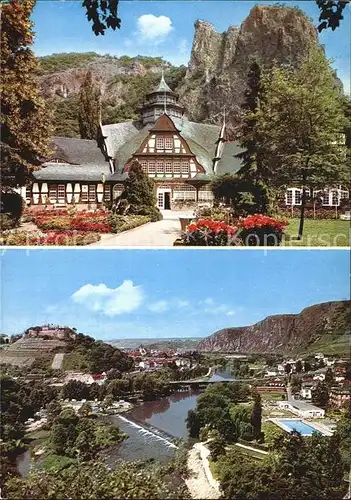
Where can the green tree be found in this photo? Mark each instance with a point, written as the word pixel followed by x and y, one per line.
pixel 301 122
pixel 88 108
pixel 25 121
pixel 298 366
pixel 256 416
pixel 139 190
pixel 320 395
pixel 84 446
pixel 193 424
pixel 254 167
pixel 216 447
pixel 94 479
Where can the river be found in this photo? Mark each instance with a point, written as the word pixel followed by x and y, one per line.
pixel 153 427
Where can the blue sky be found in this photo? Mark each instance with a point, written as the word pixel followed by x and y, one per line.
pixel 113 294
pixel 164 28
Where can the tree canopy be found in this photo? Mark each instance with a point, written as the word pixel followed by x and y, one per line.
pixel 25 122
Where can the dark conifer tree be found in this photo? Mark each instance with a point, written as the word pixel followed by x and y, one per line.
pixel 256 416
pixel 89 108
pixel 253 170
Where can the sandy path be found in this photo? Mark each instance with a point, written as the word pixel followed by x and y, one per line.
pixel 198 483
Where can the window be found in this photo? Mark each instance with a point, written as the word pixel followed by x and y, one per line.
pixel 184 193
pixel 53 192
pixel 185 167
pixel 298 195
pixel 159 167
pixel 325 198
pixel 335 197
pixel 205 195
pixel 151 167
pixel 176 167
pixel 144 166
pixel 289 197
pixel 168 143
pixel 160 143
pixel 168 167
pixel 61 192
pixel 28 192
pixel 107 192
pixel 92 192
pixel 84 195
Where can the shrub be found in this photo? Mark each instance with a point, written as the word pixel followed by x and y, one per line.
pixel 7 222
pixel 119 223
pixel 320 213
pixel 153 212
pixel 260 230
pixel 12 204
pixel 206 232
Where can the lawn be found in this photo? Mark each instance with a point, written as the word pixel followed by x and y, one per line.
pixel 318 233
pixel 272 396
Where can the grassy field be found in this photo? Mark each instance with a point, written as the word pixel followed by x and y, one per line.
pixel 318 233
pixel 329 344
pixel 272 396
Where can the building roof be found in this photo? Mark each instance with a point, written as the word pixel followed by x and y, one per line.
pixel 162 86
pixel 164 124
pixel 84 161
pixel 228 162
pixel 303 405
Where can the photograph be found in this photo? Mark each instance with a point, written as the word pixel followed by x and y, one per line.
pixel 175 250
pixel 190 124
pixel 150 378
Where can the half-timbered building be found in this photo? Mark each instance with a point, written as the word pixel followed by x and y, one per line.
pixel 180 155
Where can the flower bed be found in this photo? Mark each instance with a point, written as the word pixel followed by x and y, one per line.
pixel 261 230
pixel 207 232
pixel 255 230
pixel 50 238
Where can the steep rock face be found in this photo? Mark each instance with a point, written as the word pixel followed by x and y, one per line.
pixel 219 64
pixel 283 333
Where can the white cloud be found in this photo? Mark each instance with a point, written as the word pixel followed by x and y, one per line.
pixel 110 301
pixel 158 307
pixel 154 28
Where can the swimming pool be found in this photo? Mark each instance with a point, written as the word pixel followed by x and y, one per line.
pixel 297 425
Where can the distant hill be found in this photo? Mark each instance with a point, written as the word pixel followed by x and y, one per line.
pixel 320 328
pixel 157 344
pixel 123 81
pixel 81 353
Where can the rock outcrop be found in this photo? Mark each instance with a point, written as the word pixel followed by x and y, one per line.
pixel 328 322
pixel 219 63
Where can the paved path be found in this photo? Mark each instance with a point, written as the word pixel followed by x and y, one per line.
pixel 57 361
pixel 155 234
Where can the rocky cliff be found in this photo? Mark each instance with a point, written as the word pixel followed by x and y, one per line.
pixel 219 63
pixel 315 328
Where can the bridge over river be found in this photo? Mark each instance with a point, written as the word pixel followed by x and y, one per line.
pixel 212 377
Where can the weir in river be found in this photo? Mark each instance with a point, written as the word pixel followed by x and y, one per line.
pixel 147 429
